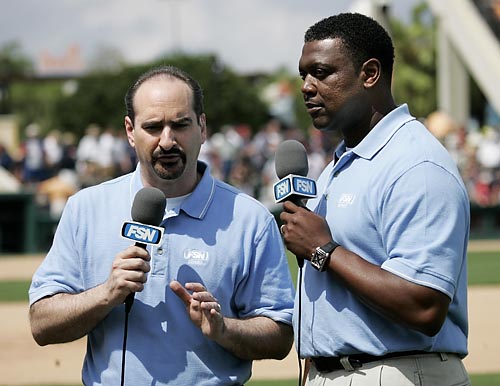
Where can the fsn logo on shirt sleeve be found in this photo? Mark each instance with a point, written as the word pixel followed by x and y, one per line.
pixel 142 233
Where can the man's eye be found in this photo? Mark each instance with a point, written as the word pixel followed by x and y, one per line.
pixel 319 73
pixel 152 127
pixel 180 125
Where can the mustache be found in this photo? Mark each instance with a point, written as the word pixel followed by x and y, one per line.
pixel 172 151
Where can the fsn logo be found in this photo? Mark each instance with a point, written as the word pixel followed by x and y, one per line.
pixel 282 189
pixel 304 186
pixel 142 233
pixel 293 185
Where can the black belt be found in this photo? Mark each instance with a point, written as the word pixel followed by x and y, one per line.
pixel 355 361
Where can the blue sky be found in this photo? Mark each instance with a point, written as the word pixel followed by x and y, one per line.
pixel 249 36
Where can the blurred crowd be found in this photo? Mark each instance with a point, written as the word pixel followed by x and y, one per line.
pixel 56 165
pixel 476 151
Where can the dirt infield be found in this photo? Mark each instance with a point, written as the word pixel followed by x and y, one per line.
pixel 22 362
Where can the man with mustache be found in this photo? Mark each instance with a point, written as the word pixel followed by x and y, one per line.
pixel 384 298
pixel 214 295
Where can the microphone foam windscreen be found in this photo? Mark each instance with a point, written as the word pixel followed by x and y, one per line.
pixel 149 206
pixel 291 158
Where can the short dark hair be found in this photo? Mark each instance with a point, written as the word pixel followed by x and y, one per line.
pixel 362 36
pixel 166 71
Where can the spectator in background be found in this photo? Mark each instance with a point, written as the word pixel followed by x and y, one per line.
pixel 6 160
pixel 53 151
pixel 69 149
pixel 8 182
pixel 34 166
pixel 87 156
pixel 124 159
pixel 228 143
pixel 106 151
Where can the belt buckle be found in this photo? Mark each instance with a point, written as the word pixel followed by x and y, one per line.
pixel 350 364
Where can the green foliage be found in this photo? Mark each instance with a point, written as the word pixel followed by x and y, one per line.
pixel 36 102
pixel 13 62
pixel 415 63
pixel 229 98
pixel 98 99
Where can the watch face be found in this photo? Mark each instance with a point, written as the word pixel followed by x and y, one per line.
pixel 321 256
pixel 318 259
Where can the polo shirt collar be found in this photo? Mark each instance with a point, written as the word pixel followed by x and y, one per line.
pixel 196 205
pixel 383 131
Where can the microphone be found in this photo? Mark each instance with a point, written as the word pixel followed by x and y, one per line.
pixel 147 213
pixel 292 167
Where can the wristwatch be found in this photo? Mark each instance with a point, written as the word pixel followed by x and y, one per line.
pixel 321 256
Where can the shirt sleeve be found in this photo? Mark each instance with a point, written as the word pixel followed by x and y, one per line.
pixel 60 271
pixel 267 288
pixel 426 223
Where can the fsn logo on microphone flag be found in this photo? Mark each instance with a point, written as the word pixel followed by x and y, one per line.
pixel 142 233
pixel 294 185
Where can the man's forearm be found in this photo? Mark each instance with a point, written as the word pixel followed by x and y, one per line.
pixel 256 338
pixel 66 317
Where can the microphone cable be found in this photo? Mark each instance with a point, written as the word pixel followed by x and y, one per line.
pixel 128 305
pixel 147 209
pixel 299 322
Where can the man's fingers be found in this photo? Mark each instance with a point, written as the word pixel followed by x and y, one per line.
pixel 180 291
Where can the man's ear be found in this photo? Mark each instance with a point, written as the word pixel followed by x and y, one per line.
pixel 203 126
pixel 371 71
pixel 129 128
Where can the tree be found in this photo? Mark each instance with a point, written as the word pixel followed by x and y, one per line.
pixel 415 65
pixel 229 98
pixel 14 64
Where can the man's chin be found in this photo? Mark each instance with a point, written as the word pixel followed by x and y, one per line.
pixel 169 174
pixel 322 124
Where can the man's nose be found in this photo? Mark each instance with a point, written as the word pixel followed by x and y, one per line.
pixel 308 86
pixel 167 138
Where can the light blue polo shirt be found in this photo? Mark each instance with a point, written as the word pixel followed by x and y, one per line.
pixel 398 201
pixel 220 237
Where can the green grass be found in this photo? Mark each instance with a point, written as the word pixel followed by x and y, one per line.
pixel 14 291
pixel 485 379
pixel 281 382
pixel 484 268
pixel 476 380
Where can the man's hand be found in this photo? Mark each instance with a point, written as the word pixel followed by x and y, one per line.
pixel 202 308
pixel 303 230
pixel 128 274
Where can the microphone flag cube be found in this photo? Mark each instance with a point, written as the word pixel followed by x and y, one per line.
pixel 294 185
pixel 142 233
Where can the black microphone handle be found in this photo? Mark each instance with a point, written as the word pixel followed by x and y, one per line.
pixel 297 200
pixel 131 296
